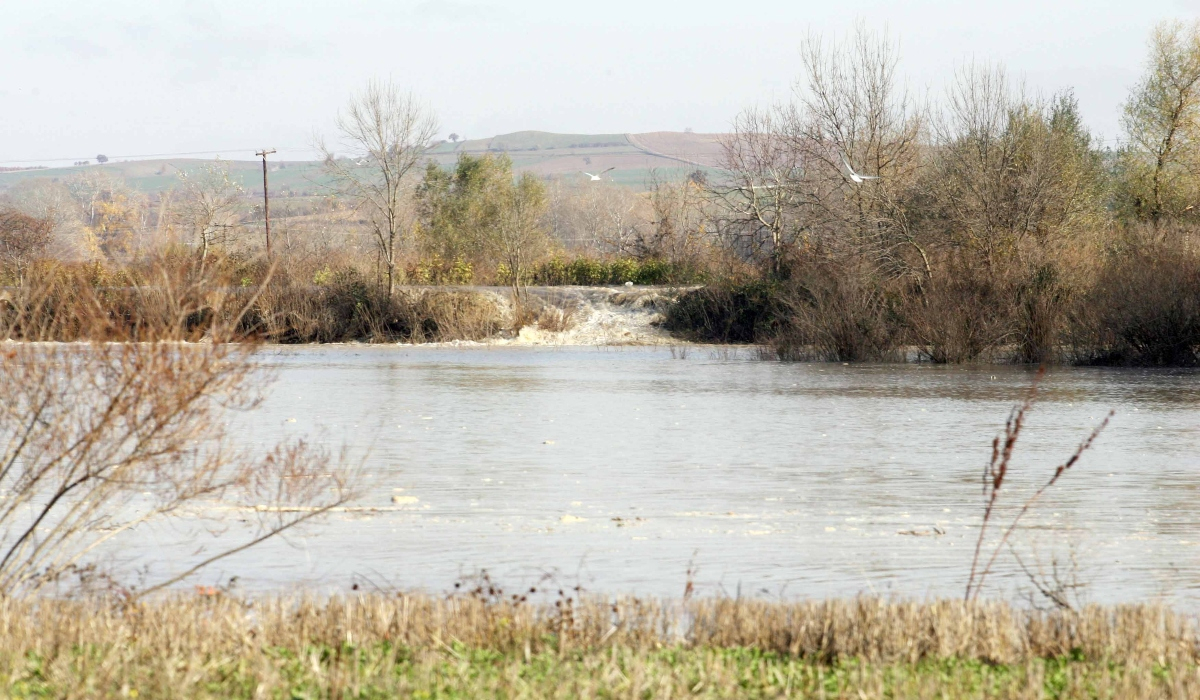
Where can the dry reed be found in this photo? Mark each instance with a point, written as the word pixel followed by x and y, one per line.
pixel 213 646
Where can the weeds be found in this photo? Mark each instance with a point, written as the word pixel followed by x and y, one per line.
pixel 994 475
pixel 482 641
pixel 557 319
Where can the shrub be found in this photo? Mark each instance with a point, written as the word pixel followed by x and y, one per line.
pixel 744 313
pixel 584 271
pixel 655 271
pixel 1144 309
pixel 623 270
pixel 837 313
pixel 961 315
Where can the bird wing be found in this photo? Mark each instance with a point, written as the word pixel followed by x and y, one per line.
pixel 587 173
pixel 612 168
pixel 848 166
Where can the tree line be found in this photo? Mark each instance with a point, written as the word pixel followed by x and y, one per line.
pixel 858 220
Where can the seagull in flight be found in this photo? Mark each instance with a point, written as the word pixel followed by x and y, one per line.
pixel 858 179
pixel 598 178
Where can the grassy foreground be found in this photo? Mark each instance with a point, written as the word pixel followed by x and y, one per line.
pixel 491 646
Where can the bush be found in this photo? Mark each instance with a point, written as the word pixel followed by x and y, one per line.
pixel 744 313
pixel 1144 309
pixel 588 272
pixel 837 313
pixel 436 271
pixel 660 272
pixel 961 315
pixel 583 271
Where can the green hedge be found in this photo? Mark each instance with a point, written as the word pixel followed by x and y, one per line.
pixel 591 272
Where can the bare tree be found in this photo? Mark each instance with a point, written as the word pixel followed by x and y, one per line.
pixel 855 113
pixel 23 239
pixel 209 206
pixel 761 200
pixel 99 441
pixel 384 133
pixel 596 217
pixel 678 220
pixel 791 164
pixel 48 200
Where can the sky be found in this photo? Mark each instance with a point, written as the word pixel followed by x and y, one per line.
pixel 131 78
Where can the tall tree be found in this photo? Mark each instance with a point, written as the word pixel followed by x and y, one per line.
pixel 479 213
pixel 1160 162
pixel 209 205
pixel 383 132
pixel 1010 172
pixel 521 235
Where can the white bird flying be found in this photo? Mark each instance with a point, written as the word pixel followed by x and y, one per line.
pixel 597 178
pixel 858 179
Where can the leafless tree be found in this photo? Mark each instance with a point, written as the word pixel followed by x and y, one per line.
pixel 209 206
pixel 383 132
pixel 791 163
pixel 23 239
pixel 761 201
pixel 596 217
pixel 100 441
pixel 679 218
pixel 854 112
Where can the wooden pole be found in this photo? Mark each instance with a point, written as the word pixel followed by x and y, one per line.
pixel 266 199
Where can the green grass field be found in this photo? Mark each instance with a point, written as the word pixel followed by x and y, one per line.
pixel 384 670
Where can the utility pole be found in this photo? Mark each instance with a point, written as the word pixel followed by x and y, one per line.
pixel 266 199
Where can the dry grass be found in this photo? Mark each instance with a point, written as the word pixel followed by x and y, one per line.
pixel 101 440
pixel 285 303
pixel 442 315
pixel 468 646
pixel 557 319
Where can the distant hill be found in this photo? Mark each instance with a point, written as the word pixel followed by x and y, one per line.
pixel 548 155
pixel 151 176
pixel 632 156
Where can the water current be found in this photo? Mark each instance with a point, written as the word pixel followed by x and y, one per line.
pixel 619 469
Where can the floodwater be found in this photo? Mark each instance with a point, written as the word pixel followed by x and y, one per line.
pixel 619 469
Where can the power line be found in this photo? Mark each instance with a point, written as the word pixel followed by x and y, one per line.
pixel 145 155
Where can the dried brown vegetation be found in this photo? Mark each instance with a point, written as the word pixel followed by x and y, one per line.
pixel 101 439
pixel 994 476
pixel 853 222
pixel 988 226
pixel 199 297
pixel 209 646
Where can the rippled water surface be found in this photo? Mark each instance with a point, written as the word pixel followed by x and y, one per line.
pixel 619 468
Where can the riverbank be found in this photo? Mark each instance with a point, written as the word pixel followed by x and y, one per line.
pixel 788 319
pixel 485 643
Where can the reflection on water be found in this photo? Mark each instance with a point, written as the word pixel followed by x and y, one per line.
pixel 622 465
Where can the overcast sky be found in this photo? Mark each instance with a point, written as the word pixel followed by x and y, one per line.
pixel 130 77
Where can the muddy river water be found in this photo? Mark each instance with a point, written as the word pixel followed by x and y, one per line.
pixel 620 468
